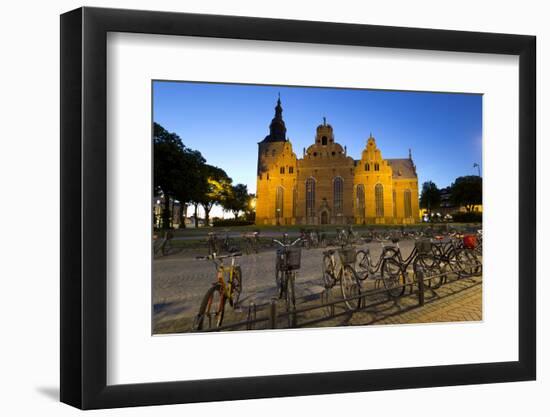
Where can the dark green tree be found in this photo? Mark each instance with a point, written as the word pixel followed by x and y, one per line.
pixel 430 197
pixel 237 200
pixel 214 188
pixel 467 191
pixel 176 171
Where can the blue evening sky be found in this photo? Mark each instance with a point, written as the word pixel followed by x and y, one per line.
pixel 226 121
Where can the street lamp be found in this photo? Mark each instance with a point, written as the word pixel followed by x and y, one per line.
pixel 476 165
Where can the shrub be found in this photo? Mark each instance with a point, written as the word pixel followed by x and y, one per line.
pixel 467 217
pixel 231 222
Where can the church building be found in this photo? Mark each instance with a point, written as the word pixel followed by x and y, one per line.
pixel 327 186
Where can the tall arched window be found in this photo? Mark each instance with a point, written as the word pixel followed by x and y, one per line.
pixel 279 193
pixel 360 200
pixel 338 190
pixel 394 204
pixel 367 167
pixel 408 204
pixel 379 200
pixel 324 140
pixel 377 166
pixel 294 201
pixel 310 197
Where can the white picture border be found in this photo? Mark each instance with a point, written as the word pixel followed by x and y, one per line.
pixel 135 356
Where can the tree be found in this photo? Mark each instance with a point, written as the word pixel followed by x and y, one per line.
pixel 177 171
pixel 250 210
pixel 237 200
pixel 167 165
pixel 430 197
pixel 214 188
pixel 467 191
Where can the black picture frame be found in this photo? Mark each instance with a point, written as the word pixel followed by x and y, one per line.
pixel 84 207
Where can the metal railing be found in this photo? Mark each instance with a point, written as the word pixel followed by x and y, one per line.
pixel 274 316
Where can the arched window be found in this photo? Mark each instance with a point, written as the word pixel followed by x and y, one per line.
pixel 324 140
pixel 294 201
pixel 408 204
pixel 338 190
pixel 360 200
pixel 367 167
pixel 394 204
pixel 310 197
pixel 379 200
pixel 279 193
pixel 377 166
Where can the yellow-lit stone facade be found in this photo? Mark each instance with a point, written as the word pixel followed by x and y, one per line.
pixel 327 186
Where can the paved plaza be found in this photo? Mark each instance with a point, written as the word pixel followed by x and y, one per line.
pixel 180 282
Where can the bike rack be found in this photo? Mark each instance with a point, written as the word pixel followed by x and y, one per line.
pixel 274 315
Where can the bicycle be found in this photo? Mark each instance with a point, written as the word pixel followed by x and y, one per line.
pixel 214 300
pixel 213 243
pixel 393 267
pixel 451 251
pixel 251 242
pixel 288 259
pixel 227 244
pixel 343 273
pixel 163 247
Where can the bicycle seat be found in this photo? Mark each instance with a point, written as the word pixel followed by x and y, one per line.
pixel 329 252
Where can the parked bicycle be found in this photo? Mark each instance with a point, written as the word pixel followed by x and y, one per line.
pixel 213 243
pixel 251 242
pixel 343 272
pixel 288 259
pixel 163 246
pixel 457 253
pixel 227 287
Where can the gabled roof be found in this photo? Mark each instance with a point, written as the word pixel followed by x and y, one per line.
pixel 402 168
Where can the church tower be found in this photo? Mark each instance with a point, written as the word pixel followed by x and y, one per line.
pixel 276 175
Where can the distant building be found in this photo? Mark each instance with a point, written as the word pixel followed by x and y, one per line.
pixel 326 186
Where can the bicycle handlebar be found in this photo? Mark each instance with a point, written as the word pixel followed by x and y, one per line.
pixel 286 245
pixel 214 256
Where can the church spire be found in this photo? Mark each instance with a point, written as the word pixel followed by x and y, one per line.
pixel 277 128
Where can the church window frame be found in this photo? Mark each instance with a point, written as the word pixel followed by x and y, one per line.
pixel 310 197
pixel 338 194
pixel 379 200
pixel 279 202
pixel 324 141
pixel 407 202
pixel 367 167
pixel 360 200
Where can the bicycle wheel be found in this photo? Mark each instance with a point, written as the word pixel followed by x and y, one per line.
pixel 236 286
pixel 328 272
pixel 351 288
pixel 393 277
pixel 362 264
pixel 290 292
pixel 431 268
pixel 279 282
pixel 211 310
pixel 467 266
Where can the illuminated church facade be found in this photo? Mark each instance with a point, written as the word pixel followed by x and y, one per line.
pixel 326 186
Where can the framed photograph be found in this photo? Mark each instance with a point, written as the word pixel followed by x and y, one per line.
pixel 260 208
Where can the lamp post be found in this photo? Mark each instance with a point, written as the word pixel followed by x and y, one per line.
pixel 476 165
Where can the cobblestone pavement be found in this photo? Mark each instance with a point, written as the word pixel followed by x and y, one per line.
pixel 180 282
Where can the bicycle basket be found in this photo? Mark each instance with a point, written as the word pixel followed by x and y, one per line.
pixel 289 258
pixel 423 245
pixel 347 255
